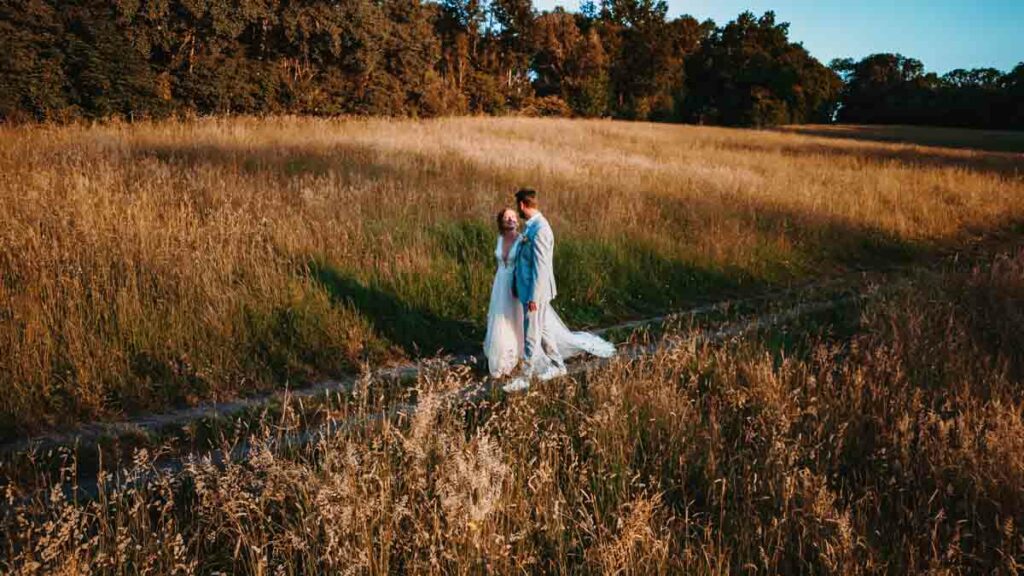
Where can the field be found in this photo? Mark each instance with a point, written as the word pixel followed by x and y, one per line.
pixel 148 267
pixel 991 140
pixel 896 447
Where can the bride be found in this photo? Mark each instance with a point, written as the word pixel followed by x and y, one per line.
pixel 503 345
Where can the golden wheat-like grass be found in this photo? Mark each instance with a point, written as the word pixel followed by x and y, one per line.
pixel 897 450
pixel 149 265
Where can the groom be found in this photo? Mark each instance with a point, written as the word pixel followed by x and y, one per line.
pixel 533 284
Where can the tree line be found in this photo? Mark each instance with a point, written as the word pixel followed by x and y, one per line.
pixel 893 89
pixel 68 59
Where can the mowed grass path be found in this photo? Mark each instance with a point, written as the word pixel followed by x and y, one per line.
pixel 153 265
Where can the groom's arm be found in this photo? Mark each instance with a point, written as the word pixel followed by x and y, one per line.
pixel 543 247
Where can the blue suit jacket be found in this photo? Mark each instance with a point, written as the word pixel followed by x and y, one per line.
pixel 535 271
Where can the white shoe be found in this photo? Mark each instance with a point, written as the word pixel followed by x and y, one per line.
pixel 553 372
pixel 517 385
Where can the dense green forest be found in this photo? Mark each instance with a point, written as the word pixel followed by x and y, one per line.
pixel 68 59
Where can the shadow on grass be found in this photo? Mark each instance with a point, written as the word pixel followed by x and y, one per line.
pixel 999 163
pixel 417 332
pixel 792 244
pixel 440 308
pixel 964 138
pixel 602 282
pixel 349 161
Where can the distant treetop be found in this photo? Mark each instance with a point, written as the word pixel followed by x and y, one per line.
pixel 67 59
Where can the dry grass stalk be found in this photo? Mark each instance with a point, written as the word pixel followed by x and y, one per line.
pixel 168 263
pixel 858 456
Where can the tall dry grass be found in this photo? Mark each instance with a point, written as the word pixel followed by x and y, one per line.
pixel 150 265
pixel 992 140
pixel 897 450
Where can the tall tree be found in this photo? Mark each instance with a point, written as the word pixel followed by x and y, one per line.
pixel 106 73
pixel 749 73
pixel 515 37
pixel 1013 106
pixel 32 77
pixel 458 25
pixel 639 52
pixel 570 63
pixel 879 88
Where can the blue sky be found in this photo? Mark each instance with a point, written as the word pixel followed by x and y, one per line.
pixel 943 34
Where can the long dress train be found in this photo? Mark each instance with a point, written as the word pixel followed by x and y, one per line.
pixel 503 344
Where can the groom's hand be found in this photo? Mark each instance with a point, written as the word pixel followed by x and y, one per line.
pixel 532 306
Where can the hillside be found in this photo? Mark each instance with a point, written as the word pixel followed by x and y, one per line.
pixel 147 266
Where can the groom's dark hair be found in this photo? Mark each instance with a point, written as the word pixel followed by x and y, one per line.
pixel 528 196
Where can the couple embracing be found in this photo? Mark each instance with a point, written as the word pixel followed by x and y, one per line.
pixel 522 328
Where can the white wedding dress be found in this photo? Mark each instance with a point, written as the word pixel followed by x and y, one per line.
pixel 503 345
